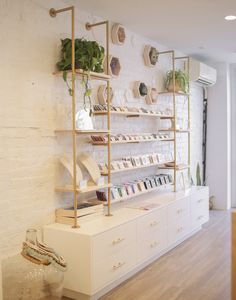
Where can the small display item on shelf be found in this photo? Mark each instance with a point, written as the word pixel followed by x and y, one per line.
pixel 121 192
pixel 138 161
pixel 67 162
pixel 123 109
pixel 91 166
pixel 84 120
pixel 151 97
pixel 103 167
pixel 128 137
pixel 102 94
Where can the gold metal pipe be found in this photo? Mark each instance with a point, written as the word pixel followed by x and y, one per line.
pixel 74 134
pixel 108 122
pixel 182 57
pixel 189 121
pixel 88 26
pixel 166 52
pixel 53 12
pixel 174 111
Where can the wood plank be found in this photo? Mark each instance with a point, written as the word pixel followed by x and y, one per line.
pixel 197 269
pixel 233 255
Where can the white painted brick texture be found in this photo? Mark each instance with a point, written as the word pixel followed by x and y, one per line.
pixel 34 104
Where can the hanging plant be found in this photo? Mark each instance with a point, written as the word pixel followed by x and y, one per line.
pixel 89 56
pixel 181 81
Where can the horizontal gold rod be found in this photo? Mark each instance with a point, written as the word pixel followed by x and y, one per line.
pixel 182 57
pixel 89 26
pixel 165 52
pixel 53 12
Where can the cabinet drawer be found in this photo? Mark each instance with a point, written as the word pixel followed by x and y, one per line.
pixel 178 210
pixel 152 245
pixel 200 201
pixel 151 223
pixel 112 241
pixel 178 229
pixel 113 267
pixel 199 218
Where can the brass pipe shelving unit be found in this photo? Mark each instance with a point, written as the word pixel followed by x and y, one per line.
pixel 175 94
pixel 75 132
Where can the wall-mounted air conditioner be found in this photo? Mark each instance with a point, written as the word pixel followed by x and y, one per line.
pixel 202 73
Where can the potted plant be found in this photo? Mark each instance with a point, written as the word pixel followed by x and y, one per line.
pixel 181 81
pixel 89 56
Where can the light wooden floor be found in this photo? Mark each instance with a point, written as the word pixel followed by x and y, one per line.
pixel 197 269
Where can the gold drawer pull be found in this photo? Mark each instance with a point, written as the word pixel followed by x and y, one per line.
pixel 200 200
pixel 117 241
pixel 119 265
pixel 179 211
pixel 154 244
pixel 180 229
pixel 154 223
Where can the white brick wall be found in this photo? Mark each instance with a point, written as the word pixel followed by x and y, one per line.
pixel 34 104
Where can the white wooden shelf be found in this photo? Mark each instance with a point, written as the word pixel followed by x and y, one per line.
pixel 78 131
pixel 133 114
pixel 171 93
pixel 178 167
pixel 132 142
pixel 133 168
pixel 89 188
pixel 172 130
pixel 92 75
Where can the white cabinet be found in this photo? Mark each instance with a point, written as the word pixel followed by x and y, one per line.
pixel 103 251
pixel 114 253
pixel 199 208
pixel 178 220
pixel 151 234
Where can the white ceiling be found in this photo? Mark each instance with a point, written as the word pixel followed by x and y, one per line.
pixel 196 27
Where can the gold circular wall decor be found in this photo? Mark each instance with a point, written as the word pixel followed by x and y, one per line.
pixel 102 94
pixel 118 34
pixel 150 56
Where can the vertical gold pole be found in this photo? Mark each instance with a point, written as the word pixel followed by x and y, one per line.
pixel 174 111
pixel 108 123
pixel 189 123
pixel 73 117
pixel 53 13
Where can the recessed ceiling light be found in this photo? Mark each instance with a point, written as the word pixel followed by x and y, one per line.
pixel 230 18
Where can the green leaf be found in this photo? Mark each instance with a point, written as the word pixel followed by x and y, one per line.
pixel 88 93
pixel 64 75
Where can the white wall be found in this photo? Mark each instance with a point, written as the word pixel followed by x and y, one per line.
pixel 218 139
pixel 34 104
pixel 233 133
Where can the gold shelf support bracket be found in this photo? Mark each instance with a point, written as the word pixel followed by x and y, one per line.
pixel 187 67
pixel 173 58
pixel 89 26
pixel 53 13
